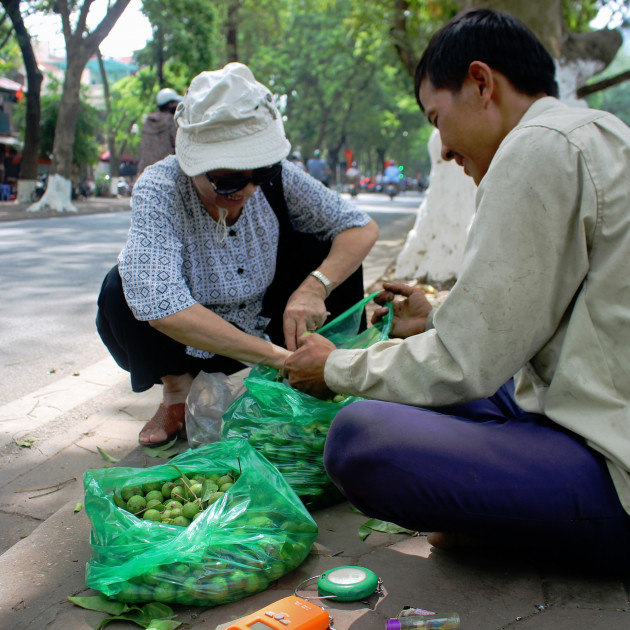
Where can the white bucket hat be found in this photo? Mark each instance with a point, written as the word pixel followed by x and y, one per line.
pixel 228 120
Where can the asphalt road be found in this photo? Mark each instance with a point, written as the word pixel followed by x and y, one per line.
pixel 50 274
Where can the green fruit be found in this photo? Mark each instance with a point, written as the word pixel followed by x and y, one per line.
pixel 150 486
pixel 152 515
pixel 260 522
pixel 165 592
pixel 130 491
pixel 195 491
pixel 180 570
pixel 215 590
pixel 154 495
pixel 166 489
pixel 275 570
pixel 179 493
pixel 176 513
pixel 155 505
pixel 214 497
pixel 171 505
pixel 237 582
pixel 255 582
pixel 136 504
pixel 131 593
pixel 196 516
pixel 224 487
pixel 181 521
pixel 210 487
pixel 198 478
pixel 225 479
pixel 190 510
pixel 153 576
pixel 119 502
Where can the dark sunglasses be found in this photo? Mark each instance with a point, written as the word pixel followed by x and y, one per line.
pixel 234 183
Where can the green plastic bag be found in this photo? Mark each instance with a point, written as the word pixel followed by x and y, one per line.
pixel 289 427
pixel 254 533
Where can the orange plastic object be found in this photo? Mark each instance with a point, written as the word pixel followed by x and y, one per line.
pixel 290 613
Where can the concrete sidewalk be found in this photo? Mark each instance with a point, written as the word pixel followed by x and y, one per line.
pixel 45 543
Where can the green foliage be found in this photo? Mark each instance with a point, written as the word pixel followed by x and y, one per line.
pixel 86 149
pixel 10 54
pixel 182 34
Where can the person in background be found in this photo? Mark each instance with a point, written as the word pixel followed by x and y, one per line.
pixel 158 130
pixel 502 417
pixel 318 168
pixel 296 158
pixel 209 242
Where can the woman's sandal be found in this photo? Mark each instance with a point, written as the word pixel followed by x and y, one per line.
pixel 170 419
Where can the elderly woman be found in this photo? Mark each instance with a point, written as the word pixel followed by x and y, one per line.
pixel 215 272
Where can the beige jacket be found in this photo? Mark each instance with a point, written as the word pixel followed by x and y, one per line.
pixel 544 291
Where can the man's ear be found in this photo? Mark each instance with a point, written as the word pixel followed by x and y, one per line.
pixel 481 75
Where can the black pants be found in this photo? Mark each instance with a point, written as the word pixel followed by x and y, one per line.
pixel 148 354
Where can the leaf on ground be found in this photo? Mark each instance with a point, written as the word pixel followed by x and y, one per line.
pixel 78 507
pixel 163 624
pixel 165 451
pixel 26 442
pixel 374 524
pixel 100 603
pixel 106 456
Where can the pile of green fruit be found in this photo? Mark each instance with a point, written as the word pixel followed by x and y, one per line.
pixel 295 448
pixel 177 502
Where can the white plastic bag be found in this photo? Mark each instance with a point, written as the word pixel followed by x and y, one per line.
pixel 209 397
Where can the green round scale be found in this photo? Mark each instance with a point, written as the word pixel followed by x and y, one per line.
pixel 347 584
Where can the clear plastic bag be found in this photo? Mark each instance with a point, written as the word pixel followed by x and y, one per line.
pixel 210 395
pixel 289 427
pixel 254 533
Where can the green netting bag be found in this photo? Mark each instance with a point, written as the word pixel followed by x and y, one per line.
pixel 252 534
pixel 290 427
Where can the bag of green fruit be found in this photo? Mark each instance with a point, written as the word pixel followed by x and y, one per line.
pixel 213 525
pixel 290 427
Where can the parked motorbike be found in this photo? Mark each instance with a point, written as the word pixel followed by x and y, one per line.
pixel 40 188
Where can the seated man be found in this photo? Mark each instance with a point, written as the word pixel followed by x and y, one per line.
pixel 503 416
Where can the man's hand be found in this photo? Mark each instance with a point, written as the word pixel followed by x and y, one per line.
pixel 305 367
pixel 305 312
pixel 410 314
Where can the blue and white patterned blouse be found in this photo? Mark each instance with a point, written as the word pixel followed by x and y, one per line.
pixel 173 258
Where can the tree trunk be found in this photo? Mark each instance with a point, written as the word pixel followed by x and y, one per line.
pixel 80 46
pixel 30 154
pixel 231 30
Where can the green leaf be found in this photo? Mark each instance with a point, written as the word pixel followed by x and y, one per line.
pixel 106 456
pixel 26 442
pixel 99 603
pixel 163 624
pixel 154 452
pixel 374 524
pixel 78 507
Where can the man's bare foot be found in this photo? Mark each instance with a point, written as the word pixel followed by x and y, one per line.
pixel 170 417
pixel 449 540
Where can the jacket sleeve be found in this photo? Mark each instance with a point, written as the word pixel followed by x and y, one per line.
pixel 525 259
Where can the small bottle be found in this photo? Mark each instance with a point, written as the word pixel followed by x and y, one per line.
pixel 444 621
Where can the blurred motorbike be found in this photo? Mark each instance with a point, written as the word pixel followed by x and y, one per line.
pixel 391 190
pixel 40 188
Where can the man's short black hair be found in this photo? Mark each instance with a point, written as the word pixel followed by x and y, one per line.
pixel 494 37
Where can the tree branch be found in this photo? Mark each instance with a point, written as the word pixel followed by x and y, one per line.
pixel 591 88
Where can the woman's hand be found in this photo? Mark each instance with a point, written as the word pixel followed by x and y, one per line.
pixel 410 314
pixel 305 312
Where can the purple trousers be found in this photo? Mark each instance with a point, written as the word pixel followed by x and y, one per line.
pixel 486 469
